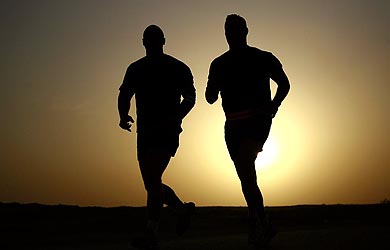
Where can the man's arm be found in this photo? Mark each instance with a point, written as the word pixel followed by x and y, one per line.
pixel 283 87
pixel 124 99
pixel 280 78
pixel 188 102
pixel 212 89
pixel 211 92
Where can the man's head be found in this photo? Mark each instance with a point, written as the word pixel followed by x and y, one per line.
pixel 153 39
pixel 236 30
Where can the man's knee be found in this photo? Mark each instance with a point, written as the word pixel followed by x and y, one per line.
pixel 153 185
pixel 248 181
pixel 247 176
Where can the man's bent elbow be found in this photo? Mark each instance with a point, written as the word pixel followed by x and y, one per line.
pixel 287 86
pixel 284 85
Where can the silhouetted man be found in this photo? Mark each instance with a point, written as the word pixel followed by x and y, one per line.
pixel 242 77
pixel 164 92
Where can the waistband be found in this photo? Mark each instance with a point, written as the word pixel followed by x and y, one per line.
pixel 246 114
pixel 239 115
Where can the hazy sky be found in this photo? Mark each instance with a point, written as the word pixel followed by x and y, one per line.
pixel 62 62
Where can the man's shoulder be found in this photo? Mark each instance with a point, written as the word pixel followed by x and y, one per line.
pixel 138 63
pixel 264 56
pixel 252 51
pixel 177 64
pixel 221 59
pixel 136 66
pixel 260 52
pixel 222 56
pixel 174 60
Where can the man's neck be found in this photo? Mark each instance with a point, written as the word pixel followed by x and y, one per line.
pixel 154 53
pixel 238 47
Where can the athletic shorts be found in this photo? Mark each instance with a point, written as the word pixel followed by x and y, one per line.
pixel 254 130
pixel 147 144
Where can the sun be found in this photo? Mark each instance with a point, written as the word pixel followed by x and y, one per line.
pixel 269 154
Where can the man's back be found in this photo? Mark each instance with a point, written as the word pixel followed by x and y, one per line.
pixel 158 84
pixel 243 78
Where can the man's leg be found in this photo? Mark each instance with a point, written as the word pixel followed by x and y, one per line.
pixel 244 162
pixel 152 165
pixel 260 229
pixel 183 211
pixel 152 168
pixel 170 198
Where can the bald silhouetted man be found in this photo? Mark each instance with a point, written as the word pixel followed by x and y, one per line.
pixel 165 94
pixel 242 77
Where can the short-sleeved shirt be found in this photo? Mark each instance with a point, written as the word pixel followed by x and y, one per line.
pixel 243 79
pixel 158 84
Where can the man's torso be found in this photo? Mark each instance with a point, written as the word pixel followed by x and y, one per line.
pixel 244 79
pixel 158 84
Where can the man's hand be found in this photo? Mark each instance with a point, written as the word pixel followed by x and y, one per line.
pixel 125 123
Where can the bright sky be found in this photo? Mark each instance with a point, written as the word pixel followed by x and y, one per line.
pixel 62 63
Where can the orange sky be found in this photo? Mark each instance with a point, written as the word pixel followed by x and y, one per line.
pixel 63 61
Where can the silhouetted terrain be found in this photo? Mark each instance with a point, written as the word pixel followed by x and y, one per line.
pixel 35 226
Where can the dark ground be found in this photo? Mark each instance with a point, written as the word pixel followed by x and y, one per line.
pixel 317 227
